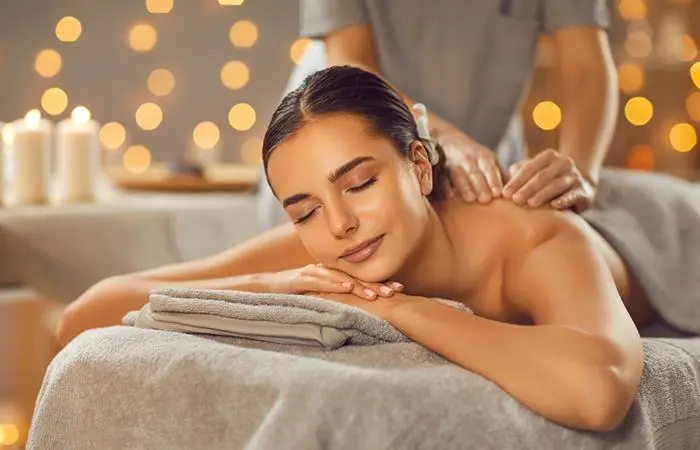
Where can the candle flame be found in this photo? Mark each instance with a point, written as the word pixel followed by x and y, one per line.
pixel 80 115
pixel 8 134
pixel 32 119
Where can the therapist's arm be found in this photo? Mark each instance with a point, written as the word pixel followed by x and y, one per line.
pixel 589 97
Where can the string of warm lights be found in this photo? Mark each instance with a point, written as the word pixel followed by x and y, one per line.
pixel 638 110
pixel 142 37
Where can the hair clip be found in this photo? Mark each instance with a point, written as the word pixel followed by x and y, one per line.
pixel 422 125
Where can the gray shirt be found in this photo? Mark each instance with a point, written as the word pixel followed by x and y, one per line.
pixel 469 61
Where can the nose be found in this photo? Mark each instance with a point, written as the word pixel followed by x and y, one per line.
pixel 341 221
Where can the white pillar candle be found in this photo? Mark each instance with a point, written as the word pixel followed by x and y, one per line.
pixel 29 159
pixel 77 157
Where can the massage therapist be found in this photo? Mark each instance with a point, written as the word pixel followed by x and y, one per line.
pixel 470 63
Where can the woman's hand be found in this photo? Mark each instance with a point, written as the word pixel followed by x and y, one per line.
pixel 549 177
pixel 318 278
pixel 472 169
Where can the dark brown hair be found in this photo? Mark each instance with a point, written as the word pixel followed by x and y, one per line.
pixel 350 90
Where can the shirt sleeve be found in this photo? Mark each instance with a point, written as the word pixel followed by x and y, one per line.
pixel 320 17
pixel 558 14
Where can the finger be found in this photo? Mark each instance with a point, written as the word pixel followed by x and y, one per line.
pixel 461 184
pixel 312 283
pixel 489 167
pixel 449 190
pixel 554 189
pixel 538 182
pixel 380 289
pixel 524 173
pixel 569 199
pixel 477 180
pixel 398 287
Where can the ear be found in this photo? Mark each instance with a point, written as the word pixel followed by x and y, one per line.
pixel 422 167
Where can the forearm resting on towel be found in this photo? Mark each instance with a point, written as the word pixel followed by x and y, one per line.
pixel 108 301
pixel 564 374
pixel 105 303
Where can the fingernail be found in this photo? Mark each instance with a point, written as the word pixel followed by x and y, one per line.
pixel 496 192
pixel 370 293
pixel 385 290
pixel 517 198
pixel 346 284
pixel 532 203
pixel 397 286
pixel 484 198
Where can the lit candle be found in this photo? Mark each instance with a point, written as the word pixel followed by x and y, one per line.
pixel 77 157
pixel 29 159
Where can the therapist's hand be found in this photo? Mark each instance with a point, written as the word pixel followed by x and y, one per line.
pixel 549 177
pixel 472 169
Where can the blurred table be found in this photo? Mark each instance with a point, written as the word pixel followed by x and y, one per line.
pixel 61 250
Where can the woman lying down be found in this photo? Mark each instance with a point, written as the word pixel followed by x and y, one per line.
pixel 372 228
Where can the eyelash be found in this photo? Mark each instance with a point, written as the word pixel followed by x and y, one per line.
pixel 353 189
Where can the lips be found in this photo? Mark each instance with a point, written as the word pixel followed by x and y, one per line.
pixel 363 251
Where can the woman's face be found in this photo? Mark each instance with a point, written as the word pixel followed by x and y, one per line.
pixel 359 206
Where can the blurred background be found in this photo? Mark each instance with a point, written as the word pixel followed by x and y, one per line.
pixel 167 80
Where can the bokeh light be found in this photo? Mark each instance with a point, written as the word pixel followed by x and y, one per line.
pixel 692 105
pixel 630 77
pixel 546 115
pixel 112 135
pixel 683 137
pixel 161 82
pixel 137 159
pixel 143 37
pixel 48 63
pixel 251 151
pixel 149 116
pixel 235 74
pixel 9 434
pixel 638 44
pixel 54 101
pixel 206 135
pixel 633 9
pixel 639 111
pixel 241 117
pixel 640 157
pixel 298 48
pixel 159 6
pixel 695 74
pixel 231 2
pixel 68 29
pixel 8 134
pixel 243 34
pixel 688 48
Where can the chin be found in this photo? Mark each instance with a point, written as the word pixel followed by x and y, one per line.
pixel 376 269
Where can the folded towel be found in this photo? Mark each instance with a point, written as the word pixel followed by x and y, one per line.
pixel 280 318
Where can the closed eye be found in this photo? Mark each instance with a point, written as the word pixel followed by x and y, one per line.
pixel 363 186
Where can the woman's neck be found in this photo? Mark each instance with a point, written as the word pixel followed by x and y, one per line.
pixel 432 270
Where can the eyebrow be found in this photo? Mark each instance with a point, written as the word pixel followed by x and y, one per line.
pixel 333 177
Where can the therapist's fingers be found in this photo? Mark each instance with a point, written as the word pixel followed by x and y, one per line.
pixel 552 190
pixel 527 170
pixel 461 184
pixel 492 173
pixel 477 179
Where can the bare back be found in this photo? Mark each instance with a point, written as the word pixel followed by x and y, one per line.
pixel 487 236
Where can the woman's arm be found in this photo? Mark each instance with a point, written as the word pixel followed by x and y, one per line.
pixel 579 366
pixel 106 302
